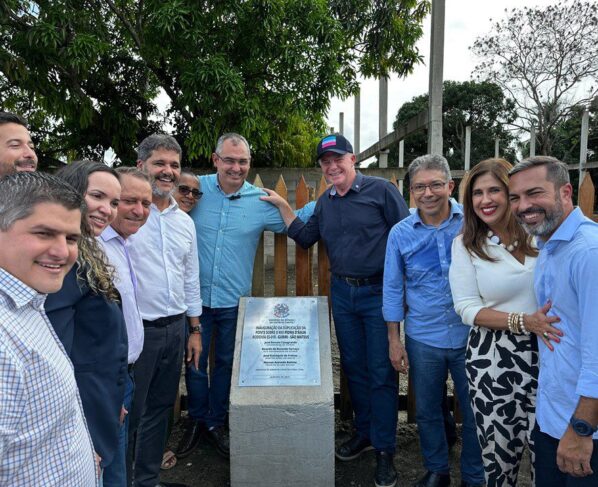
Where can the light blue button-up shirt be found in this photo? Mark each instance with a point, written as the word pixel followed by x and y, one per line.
pixel 567 275
pixel 416 280
pixel 229 227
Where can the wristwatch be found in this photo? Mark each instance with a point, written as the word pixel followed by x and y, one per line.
pixel 582 427
pixel 195 328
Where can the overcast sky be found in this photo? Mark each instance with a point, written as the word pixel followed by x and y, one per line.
pixel 465 20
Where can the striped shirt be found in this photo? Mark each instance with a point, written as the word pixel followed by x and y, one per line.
pixel 43 435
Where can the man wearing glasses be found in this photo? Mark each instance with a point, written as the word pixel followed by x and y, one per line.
pixel 229 222
pixel 416 290
pixel 353 218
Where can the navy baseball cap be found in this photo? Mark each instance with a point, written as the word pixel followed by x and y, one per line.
pixel 334 143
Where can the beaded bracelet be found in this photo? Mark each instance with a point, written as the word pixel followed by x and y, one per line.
pixel 522 325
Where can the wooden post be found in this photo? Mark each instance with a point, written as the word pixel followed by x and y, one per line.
pixel 323 264
pixel 585 198
pixel 383 119
pixel 302 261
pixel 259 278
pixel 280 249
pixel 462 187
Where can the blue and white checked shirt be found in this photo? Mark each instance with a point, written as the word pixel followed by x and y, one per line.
pixel 228 231
pixel 416 280
pixel 44 439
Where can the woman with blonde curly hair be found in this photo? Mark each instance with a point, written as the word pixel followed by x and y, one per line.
pixel 491 277
pixel 86 314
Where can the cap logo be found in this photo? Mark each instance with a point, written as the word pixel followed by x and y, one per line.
pixel 329 141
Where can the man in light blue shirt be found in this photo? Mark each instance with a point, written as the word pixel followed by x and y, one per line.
pixel 416 290
pixel 229 221
pixel 565 436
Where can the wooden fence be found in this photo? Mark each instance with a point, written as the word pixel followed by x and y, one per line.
pixel 304 266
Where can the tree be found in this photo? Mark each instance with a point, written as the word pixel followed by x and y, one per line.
pixel 546 59
pixel 256 66
pixel 481 105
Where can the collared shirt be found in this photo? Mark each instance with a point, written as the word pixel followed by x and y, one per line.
pixel 416 280
pixel 164 256
pixel 118 252
pixel 229 227
pixel 355 226
pixel 567 275
pixel 43 435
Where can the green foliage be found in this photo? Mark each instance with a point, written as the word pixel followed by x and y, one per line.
pixel 264 68
pixel 483 106
pixel 546 59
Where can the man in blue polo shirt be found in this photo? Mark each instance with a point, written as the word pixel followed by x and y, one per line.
pixel 416 289
pixel 353 218
pixel 565 435
pixel 229 221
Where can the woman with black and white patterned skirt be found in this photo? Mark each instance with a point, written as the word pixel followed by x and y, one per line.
pixel 491 279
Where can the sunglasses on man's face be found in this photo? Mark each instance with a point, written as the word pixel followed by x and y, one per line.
pixel 186 190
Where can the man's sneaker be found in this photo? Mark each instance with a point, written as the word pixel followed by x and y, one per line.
pixel 218 436
pixel 353 447
pixel 194 430
pixel 386 474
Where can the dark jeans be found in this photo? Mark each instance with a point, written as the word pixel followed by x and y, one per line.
pixel 208 399
pixel 115 474
pixel 547 470
pixel 428 369
pixel 362 337
pixel 157 373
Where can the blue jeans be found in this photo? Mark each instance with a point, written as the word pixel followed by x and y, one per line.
pixel 208 399
pixel 115 474
pixel 363 343
pixel 428 368
pixel 547 470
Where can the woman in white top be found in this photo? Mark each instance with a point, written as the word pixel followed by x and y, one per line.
pixel 491 279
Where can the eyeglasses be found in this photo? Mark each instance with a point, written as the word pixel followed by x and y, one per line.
pixel 186 190
pixel 329 160
pixel 229 161
pixel 435 187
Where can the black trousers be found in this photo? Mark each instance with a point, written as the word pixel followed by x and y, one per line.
pixel 547 471
pixel 157 373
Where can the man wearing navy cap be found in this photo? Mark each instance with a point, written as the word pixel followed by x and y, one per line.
pixel 353 218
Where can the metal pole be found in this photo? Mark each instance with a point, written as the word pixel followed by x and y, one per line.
pixel 383 119
pixel 496 147
pixel 436 74
pixel 467 161
pixel 341 123
pixel 357 121
pixel 532 141
pixel 401 161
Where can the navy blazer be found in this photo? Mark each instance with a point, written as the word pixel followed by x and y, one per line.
pixel 93 332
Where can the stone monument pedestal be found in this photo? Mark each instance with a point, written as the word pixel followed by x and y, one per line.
pixel 283 436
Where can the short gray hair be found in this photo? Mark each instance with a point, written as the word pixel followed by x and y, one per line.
pixel 134 172
pixel 235 138
pixel 557 171
pixel 430 162
pixel 20 192
pixel 157 141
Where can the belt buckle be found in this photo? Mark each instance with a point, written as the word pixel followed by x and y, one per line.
pixel 352 281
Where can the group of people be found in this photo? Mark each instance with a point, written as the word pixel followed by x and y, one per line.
pixel 101 302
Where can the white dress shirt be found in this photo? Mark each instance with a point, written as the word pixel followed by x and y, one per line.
pixel 505 285
pixel 117 250
pixel 164 256
pixel 43 435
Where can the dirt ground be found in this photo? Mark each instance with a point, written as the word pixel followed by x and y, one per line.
pixel 205 468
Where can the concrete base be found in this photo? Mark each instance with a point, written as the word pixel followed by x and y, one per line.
pixel 283 436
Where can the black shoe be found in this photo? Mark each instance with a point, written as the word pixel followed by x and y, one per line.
pixel 194 430
pixel 218 436
pixel 386 474
pixel 433 479
pixel 353 447
pixel 467 484
pixel 170 484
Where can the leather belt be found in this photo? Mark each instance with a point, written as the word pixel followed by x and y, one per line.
pixel 360 281
pixel 162 322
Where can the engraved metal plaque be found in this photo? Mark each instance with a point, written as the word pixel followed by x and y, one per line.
pixel 281 343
